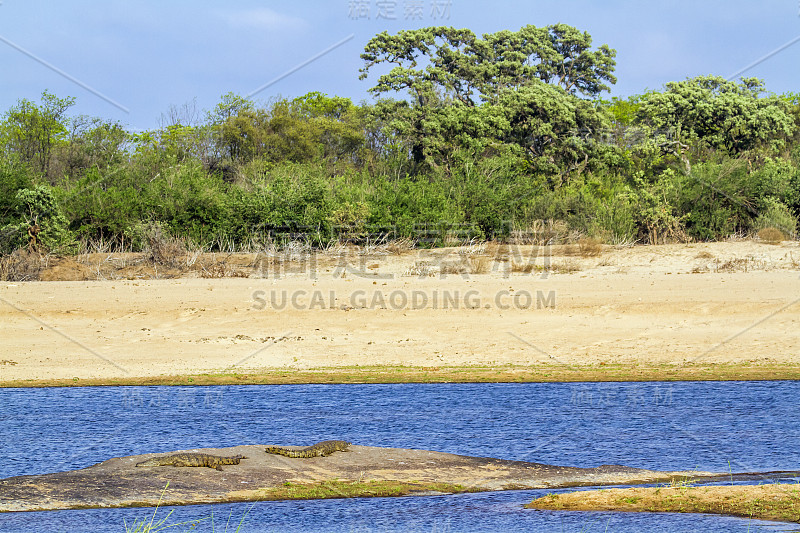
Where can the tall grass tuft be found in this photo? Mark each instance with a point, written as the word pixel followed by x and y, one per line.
pixel 771 236
pixel 152 526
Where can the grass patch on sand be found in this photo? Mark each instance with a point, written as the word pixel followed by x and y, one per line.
pixel 450 374
pixel 763 502
pixel 353 489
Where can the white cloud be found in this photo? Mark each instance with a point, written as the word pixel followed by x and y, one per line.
pixel 262 18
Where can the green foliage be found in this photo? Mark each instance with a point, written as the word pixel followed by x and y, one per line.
pixel 104 206
pixel 188 201
pixel 33 131
pixel 716 199
pixel 656 214
pixel 504 93
pixel 774 214
pixel 281 202
pixel 558 132
pixel 495 135
pixel 624 111
pixel 724 115
pixel 13 177
pixel 467 69
pixel 39 206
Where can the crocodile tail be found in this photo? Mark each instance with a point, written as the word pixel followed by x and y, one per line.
pixel 283 451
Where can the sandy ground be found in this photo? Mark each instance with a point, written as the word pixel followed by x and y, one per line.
pixel 732 302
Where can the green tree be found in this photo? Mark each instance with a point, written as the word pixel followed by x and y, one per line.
pixel 13 177
pixel 39 206
pixel 723 115
pixel 485 96
pixel 339 126
pixel 236 124
pixel 32 131
pixel 91 143
pixel 468 69
pixel 559 132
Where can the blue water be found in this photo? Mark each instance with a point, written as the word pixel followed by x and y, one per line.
pixel 738 427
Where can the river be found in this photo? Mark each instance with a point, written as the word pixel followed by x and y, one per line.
pixel 713 426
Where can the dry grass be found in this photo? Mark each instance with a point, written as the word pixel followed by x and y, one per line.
pixel 353 489
pixel 500 252
pixel 522 268
pixel 567 266
pixel 221 269
pixel 473 249
pixel 215 271
pixel 421 269
pixel 704 255
pixel 400 246
pixel 479 264
pixel 590 247
pixel 22 265
pixel 740 264
pixel 453 267
pixel 771 236
pixel 165 250
pixel 585 247
pixel 534 373
pixel 541 232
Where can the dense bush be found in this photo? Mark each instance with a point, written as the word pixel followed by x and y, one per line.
pixel 486 146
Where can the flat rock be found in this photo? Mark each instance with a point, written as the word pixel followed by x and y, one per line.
pixel 118 483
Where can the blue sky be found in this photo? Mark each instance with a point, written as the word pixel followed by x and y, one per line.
pixel 146 55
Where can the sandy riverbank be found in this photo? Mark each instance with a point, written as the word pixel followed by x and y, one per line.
pixel 733 305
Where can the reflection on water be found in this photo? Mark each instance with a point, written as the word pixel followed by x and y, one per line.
pixel 670 426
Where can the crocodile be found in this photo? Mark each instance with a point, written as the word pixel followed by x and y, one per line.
pixel 320 449
pixel 193 459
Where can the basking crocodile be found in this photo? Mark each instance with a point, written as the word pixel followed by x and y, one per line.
pixel 320 449
pixel 193 459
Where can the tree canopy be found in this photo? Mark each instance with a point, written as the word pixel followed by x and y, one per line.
pixel 469 69
pixel 505 91
pixel 723 114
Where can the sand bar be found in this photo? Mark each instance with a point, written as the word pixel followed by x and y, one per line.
pixel 697 311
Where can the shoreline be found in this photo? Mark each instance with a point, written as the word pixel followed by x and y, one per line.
pixel 391 375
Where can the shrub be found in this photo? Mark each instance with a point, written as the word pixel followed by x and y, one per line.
pixel 479 264
pixel 775 215
pixel 771 235
pixel 162 248
pixel 524 268
pixel 39 206
pixel 589 247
